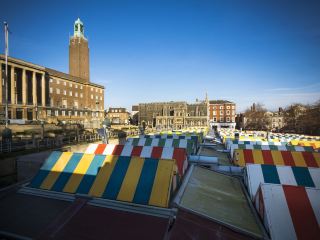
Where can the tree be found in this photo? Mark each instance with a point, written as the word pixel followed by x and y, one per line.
pixel 257 118
pixel 292 117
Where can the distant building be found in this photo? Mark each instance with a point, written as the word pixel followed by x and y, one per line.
pixel 222 114
pixel 173 115
pixel 118 115
pixel 276 119
pixel 40 93
pixel 135 115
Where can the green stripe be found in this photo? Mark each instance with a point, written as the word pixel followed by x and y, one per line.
pixel 257 147
pixel 148 142
pixel 176 143
pixel 302 176
pixel 270 174
pixel 273 147
pixel 135 141
pixel 162 142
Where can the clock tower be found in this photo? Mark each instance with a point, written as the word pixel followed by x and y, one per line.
pixel 79 52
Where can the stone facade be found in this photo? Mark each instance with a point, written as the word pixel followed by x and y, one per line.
pixel 118 115
pixel 173 115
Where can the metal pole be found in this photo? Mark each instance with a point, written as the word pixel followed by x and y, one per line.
pixel 6 56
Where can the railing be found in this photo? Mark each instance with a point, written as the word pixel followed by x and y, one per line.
pixel 46 143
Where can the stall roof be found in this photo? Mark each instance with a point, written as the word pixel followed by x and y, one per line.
pixel 220 198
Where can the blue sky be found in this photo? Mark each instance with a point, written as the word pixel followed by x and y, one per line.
pixel 146 51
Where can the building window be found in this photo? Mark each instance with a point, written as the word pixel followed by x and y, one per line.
pixel 64 92
pixel 51 80
pixel 232 107
pixel 63 113
pixel 65 83
pixel 96 89
pixel 70 84
pixel 80 86
pixel 228 119
pixel 70 93
pixel 214 119
pixel 49 113
pixel 221 119
pixel 91 89
pixel 58 81
pixel 75 113
pixel 76 94
pixel 100 98
pixel 76 86
pixel 81 95
pixel 221 112
pixel 221 107
pixel 100 90
pixel 56 113
pixel 214 113
pixel 69 113
pixel 228 107
pixel 232 112
pixel 91 96
pixel 228 112
pixel 81 113
pixel 51 90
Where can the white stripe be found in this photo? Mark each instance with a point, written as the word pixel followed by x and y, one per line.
pixel 183 143
pixel 314 197
pixel 142 142
pixel 282 148
pixel 92 148
pixel 168 143
pixel 155 142
pixel 109 149
pixel 315 175
pixel 265 147
pixel 255 177
pixel 127 150
pixel 277 213
pixel 146 152
pixel 286 175
pixel 167 153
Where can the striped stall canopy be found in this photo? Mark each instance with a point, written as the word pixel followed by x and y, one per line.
pixel 196 138
pixel 289 212
pixel 188 144
pixel 270 147
pixel 313 144
pixel 263 143
pixel 296 176
pixel 137 180
pixel 178 154
pixel 274 157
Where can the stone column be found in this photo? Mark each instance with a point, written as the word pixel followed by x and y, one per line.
pixel 43 91
pixel 13 88
pixel 1 81
pixel 34 88
pixel 24 87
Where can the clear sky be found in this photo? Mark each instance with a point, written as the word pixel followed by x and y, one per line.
pixel 147 51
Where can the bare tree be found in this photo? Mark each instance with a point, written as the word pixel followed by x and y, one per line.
pixel 257 118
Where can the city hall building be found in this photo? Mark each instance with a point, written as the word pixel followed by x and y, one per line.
pixel 40 93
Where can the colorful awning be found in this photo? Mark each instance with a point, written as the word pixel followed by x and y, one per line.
pixel 273 157
pixel 289 212
pixel 131 179
pixel 178 154
pixel 295 176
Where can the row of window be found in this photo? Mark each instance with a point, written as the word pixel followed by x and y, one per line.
pixel 75 94
pixel 69 113
pixel 222 107
pixel 222 119
pixel 222 112
pixel 75 85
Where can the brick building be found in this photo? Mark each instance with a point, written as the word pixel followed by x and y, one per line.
pixel 118 115
pixel 39 93
pixel 222 114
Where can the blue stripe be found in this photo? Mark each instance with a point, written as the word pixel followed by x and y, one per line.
pixel 145 184
pixel 90 176
pixel 270 174
pixel 116 178
pixel 67 172
pixel 45 169
pixel 302 176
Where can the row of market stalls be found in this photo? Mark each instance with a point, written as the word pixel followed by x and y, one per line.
pixel 168 185
pixel 282 176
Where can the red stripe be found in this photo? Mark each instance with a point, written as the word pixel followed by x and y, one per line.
pixel 136 151
pixel 179 154
pixel 267 157
pixel 287 158
pixel 309 159
pixel 117 150
pixel 302 215
pixel 248 157
pixel 100 149
pixel 156 152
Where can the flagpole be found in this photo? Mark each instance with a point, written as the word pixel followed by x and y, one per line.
pixel 6 56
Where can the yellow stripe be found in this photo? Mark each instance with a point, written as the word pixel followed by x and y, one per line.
pixel 131 180
pixel 239 157
pixel 317 158
pixel 277 157
pixel 77 175
pixel 162 183
pixel 298 159
pixel 257 157
pixel 54 173
pixel 103 176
